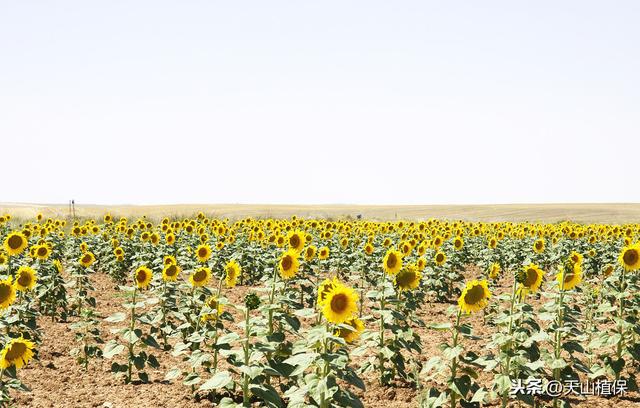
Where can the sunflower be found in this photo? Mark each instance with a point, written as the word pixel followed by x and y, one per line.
pixel 630 257
pixel 233 270
pixel 530 278
pixel 87 259
pixel 42 252
pixel 569 276
pixel 392 262
pixel 289 264
pixel 458 243
pixel 607 270
pixel 170 238
pixel 213 308
pixel 17 352
pixel 169 259
pixel 170 272
pixel 494 270
pixel 26 278
pixel 58 265
pixel 15 243
pixel 421 263
pixel 474 297
pixel 368 248
pixel 493 243
pixel 200 277
pixel 575 257
pixel 325 287
pixel 323 253
pixel 309 253
pixel 143 277
pixel 296 240
pixel 7 293
pixel 408 279
pixel 538 246
pixel 203 253
pixel 440 258
pixel 351 333
pixel 118 251
pixel 84 247
pixel 340 304
pixel 3 258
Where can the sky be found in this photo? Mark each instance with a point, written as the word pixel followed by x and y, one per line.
pixel 317 102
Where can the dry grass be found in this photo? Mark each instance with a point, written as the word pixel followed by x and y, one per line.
pixel 587 213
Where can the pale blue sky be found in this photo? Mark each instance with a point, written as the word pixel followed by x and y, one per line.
pixel 320 102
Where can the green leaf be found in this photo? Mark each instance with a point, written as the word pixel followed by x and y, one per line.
pixel 219 380
pixel 267 394
pixel 116 317
pixel 112 349
pixel 172 374
pixel 479 395
pixel 502 383
pixel 440 326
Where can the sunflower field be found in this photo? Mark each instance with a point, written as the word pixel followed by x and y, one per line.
pixel 329 313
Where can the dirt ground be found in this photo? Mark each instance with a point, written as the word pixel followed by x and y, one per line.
pixel 56 380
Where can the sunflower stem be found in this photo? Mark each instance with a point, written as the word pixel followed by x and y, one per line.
pixel 454 361
pixel 620 345
pixel 505 396
pixel 131 329
pixel 245 380
pixel 558 345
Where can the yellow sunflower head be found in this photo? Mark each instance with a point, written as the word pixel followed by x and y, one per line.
pixel 607 270
pixel 351 330
pixel 15 243
pixel 296 240
pixel 169 259
pixel 17 352
pixel 143 276
pixel 494 270
pixel 3 258
pixel 42 252
pixel 538 246
pixel 309 253
pixel 84 247
pixel 408 279
pixel 323 253
pixel 474 297
pixel 340 305
pixel 58 265
pixel 392 262
pixel 200 277
pixel 575 257
pixel 324 288
pixel 26 278
pixel 440 258
pixel 289 264
pixel 630 257
pixel 87 259
pixel 530 279
pixel 569 276
pixel 170 238
pixel 7 293
pixel 170 272
pixel 213 308
pixel 458 243
pixel 368 248
pixel 232 270
pixel 203 253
